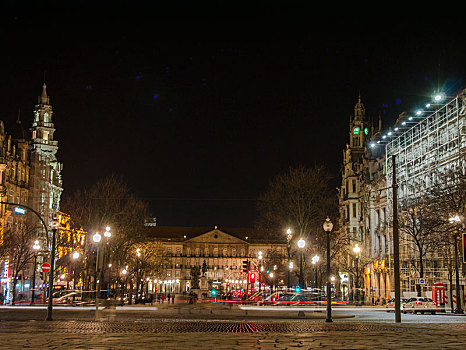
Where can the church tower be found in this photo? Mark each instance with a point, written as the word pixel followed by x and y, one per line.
pixel 45 179
pixel 351 210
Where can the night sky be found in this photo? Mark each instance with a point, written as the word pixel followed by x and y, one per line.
pixel 198 111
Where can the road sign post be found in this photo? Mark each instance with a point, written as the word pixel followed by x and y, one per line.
pixel 45 267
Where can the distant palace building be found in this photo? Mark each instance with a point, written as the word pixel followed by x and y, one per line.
pixel 221 252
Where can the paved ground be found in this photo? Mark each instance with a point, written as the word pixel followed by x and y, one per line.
pixel 218 327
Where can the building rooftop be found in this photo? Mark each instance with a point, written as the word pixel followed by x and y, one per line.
pixel 183 233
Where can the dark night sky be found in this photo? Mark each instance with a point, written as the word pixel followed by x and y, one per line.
pixel 190 105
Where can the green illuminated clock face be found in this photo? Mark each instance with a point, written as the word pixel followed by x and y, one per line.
pixel 356 131
pixel 366 131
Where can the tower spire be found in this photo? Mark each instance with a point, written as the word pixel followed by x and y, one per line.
pixel 359 109
pixel 43 98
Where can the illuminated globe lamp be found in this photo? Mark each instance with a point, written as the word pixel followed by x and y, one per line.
pixel 301 243
pixel 107 233
pixel 97 237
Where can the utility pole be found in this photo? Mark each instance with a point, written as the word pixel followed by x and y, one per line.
pixel 396 245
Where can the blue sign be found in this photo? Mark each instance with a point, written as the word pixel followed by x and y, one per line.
pixel 19 210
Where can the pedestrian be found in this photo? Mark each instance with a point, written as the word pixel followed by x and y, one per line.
pixel 173 298
pixel 162 297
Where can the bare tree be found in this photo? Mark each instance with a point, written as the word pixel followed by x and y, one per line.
pixel 108 203
pixel 448 195
pixel 419 225
pixel 299 199
pixel 17 248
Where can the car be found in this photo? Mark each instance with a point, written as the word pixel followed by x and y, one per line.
pixel 421 305
pixel 68 298
pixel 391 304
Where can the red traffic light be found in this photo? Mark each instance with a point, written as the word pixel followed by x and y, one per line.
pixel 252 277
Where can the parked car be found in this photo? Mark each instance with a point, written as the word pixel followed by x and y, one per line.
pixel 420 304
pixel 391 304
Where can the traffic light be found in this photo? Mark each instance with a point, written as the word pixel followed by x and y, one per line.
pixel 298 289
pixel 213 292
pixel 245 266
pixel 252 277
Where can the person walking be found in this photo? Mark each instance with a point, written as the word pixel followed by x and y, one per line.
pixel 173 298
pixel 162 297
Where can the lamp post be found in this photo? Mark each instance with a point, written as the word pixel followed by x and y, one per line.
pixel 107 235
pixel 97 238
pixel 76 256
pixel 289 235
pixel 301 245
pixel 55 225
pixel 36 247
pixel 328 226
pixel 138 253
pixel 291 266
pixel 259 256
pixel 124 273
pixel 315 260
pixel 357 250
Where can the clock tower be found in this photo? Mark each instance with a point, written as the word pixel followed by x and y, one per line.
pixel 350 198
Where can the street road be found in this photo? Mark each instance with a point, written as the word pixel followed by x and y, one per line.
pixel 216 326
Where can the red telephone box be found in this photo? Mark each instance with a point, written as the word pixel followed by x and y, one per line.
pixel 438 296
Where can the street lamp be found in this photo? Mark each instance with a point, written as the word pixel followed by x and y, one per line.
pixel 315 260
pixel 301 245
pixel 54 225
pixel 75 256
pixel 328 226
pixel 107 235
pixel 259 256
pixel 289 235
pixel 97 238
pixel 357 250
pixel 36 247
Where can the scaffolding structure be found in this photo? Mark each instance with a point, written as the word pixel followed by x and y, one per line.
pixel 428 147
pixel 433 144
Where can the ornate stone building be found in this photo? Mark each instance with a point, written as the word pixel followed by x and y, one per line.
pixel 30 175
pixel 362 203
pixel 45 178
pixel 220 252
pixel 424 145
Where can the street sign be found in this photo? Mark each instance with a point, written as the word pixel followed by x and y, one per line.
pixel 422 281
pixel 20 210
pixel 45 267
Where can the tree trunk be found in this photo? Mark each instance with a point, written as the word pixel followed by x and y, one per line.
pixel 130 296
pixel 421 272
pixel 13 301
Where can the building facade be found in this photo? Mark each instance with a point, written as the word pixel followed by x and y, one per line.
pixel 423 146
pixel 30 175
pixel 219 254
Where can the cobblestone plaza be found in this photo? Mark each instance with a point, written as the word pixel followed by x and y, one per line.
pixel 182 327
